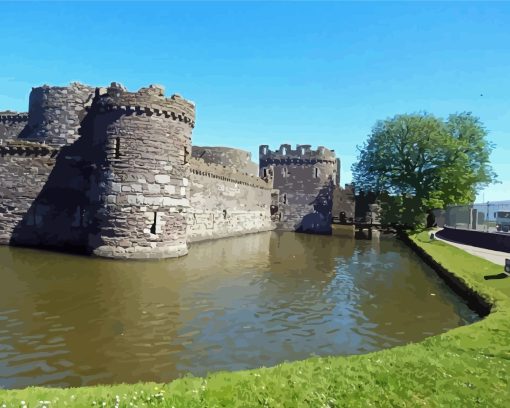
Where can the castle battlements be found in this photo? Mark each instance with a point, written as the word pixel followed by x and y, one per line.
pixel 106 171
pixel 303 154
pixel 229 174
pixel 10 116
pixel 26 149
pixel 147 101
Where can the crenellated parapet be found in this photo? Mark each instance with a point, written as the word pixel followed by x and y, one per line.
pixel 147 101
pixel 305 179
pixel 27 149
pixel 12 124
pixel 302 154
pixel 13 117
pixel 227 174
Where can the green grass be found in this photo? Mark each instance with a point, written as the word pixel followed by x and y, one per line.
pixel 466 367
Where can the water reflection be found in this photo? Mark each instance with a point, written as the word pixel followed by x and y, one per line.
pixel 230 304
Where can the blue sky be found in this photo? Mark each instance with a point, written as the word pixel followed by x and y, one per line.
pixel 272 73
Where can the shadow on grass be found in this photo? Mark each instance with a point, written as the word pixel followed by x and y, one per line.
pixel 501 275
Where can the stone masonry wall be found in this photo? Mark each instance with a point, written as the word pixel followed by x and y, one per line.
pixel 111 172
pixel 305 179
pixel 12 124
pixel 226 156
pixel 44 196
pixel 23 174
pixel 55 113
pixel 144 178
pixel 344 202
pixel 226 202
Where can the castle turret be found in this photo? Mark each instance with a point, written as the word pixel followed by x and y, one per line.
pixel 55 113
pixel 143 178
pixel 305 179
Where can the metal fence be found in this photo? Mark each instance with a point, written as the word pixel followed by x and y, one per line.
pixel 488 217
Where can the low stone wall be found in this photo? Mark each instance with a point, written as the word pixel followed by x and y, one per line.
pixel 487 240
pixel 225 203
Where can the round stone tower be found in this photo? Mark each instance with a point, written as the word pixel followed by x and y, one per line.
pixel 305 179
pixel 55 113
pixel 143 177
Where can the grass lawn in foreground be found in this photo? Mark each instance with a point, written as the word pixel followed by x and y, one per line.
pixel 466 367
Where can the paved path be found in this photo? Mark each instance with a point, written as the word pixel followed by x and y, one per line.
pixel 496 257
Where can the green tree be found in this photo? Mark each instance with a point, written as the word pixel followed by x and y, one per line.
pixel 419 162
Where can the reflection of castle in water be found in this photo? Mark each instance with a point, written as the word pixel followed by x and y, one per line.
pixel 231 304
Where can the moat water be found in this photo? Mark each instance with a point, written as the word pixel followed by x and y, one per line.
pixel 230 304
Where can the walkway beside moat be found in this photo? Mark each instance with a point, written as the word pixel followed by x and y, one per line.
pixel 497 257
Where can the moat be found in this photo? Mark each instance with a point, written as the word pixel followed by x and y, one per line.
pixel 230 304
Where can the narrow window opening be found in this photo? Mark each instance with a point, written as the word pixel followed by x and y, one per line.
pixel 285 172
pixel 284 151
pixel 153 227
pixel 225 214
pixel 316 172
pixel 265 172
pixel 285 199
pixel 186 155
pixel 117 147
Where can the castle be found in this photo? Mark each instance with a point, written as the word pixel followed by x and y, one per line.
pixel 113 173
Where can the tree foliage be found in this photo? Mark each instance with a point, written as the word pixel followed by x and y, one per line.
pixel 419 162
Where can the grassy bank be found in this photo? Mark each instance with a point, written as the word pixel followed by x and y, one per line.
pixel 465 367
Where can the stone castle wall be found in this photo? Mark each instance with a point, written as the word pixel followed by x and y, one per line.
pixel 226 156
pixel 305 179
pixel 12 124
pixel 226 202
pixel 344 202
pixel 55 113
pixel 113 173
pixel 23 174
pixel 40 197
pixel 144 176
